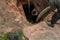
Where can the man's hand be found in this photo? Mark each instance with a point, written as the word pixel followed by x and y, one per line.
pixel 55 11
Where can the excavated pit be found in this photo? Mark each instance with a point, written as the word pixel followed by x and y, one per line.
pixel 29 15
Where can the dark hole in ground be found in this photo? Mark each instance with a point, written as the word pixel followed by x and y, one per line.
pixel 31 18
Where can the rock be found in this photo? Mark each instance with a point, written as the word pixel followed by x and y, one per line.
pixel 42 32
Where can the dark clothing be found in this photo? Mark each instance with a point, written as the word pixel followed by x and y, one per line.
pixel 55 18
pixel 55 4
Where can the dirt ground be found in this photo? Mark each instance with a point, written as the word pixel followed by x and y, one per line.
pixel 13 18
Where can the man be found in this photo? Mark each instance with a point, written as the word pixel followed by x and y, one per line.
pixel 55 4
